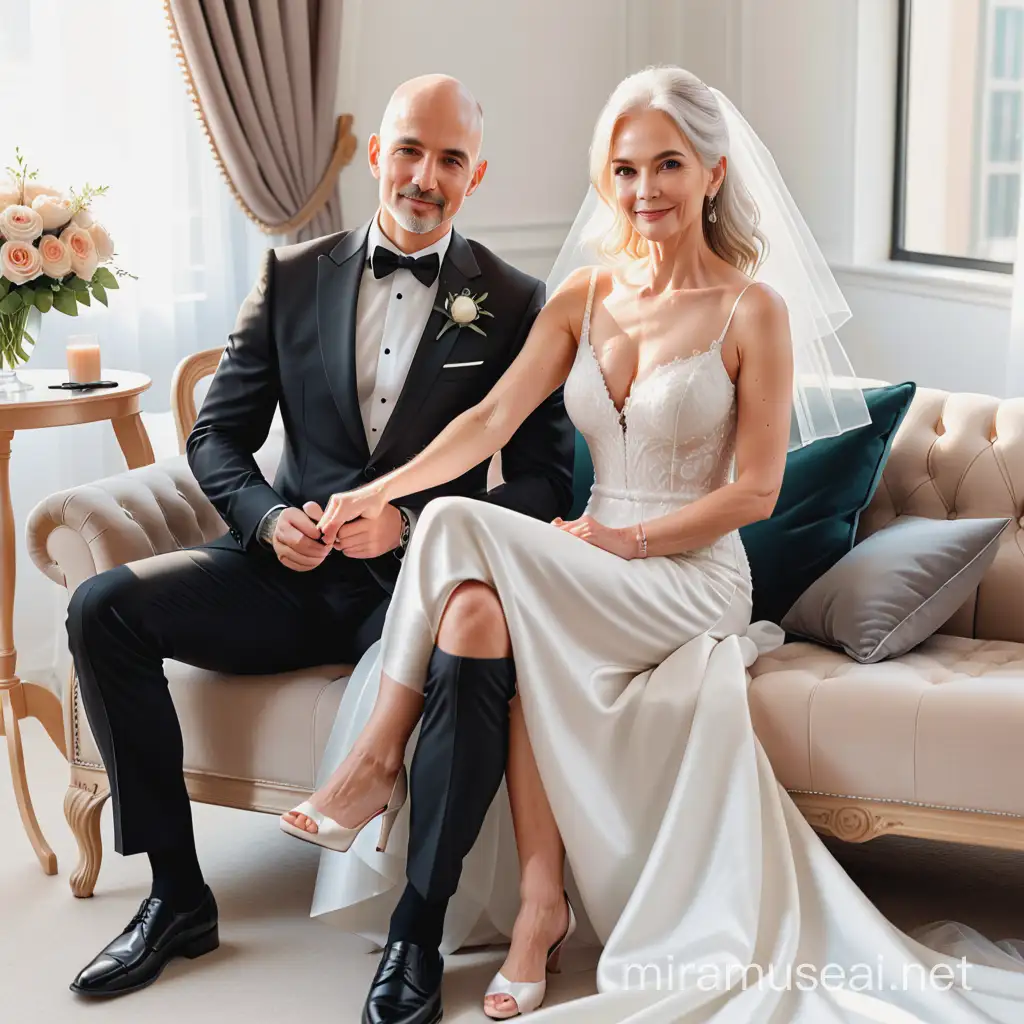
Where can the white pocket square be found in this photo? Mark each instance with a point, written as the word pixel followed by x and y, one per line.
pixel 453 366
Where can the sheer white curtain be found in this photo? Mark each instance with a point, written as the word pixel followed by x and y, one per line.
pixel 91 93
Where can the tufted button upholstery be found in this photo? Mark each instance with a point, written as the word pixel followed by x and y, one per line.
pixel 82 531
pixel 962 456
pixel 941 725
pixel 77 533
pixel 287 717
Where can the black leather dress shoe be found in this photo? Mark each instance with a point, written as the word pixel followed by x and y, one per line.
pixel 407 986
pixel 153 936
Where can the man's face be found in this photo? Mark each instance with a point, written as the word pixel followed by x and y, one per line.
pixel 425 158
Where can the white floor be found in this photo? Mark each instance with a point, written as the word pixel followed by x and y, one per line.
pixel 273 957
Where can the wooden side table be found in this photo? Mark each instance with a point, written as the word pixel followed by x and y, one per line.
pixel 27 410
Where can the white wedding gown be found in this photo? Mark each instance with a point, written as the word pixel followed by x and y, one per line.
pixel 686 856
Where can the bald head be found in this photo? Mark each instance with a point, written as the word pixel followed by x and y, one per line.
pixel 436 98
pixel 427 156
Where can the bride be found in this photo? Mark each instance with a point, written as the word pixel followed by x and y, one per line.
pixel 611 672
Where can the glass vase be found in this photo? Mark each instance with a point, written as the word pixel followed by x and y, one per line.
pixel 15 336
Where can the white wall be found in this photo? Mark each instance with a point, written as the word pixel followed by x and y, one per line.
pixel 816 79
pixel 541 70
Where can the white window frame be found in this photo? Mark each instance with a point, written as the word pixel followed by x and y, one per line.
pixel 1003 250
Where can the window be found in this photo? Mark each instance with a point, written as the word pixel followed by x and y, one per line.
pixel 960 142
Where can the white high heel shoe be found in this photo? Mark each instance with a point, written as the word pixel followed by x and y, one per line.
pixel 528 995
pixel 332 836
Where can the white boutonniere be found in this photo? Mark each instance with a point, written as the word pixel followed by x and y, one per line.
pixel 463 310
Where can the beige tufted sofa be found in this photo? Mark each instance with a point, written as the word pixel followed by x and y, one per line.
pixel 250 742
pixel 928 745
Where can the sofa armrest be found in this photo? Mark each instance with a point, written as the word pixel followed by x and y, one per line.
pixel 77 533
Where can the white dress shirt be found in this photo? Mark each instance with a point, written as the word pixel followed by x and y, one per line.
pixel 390 316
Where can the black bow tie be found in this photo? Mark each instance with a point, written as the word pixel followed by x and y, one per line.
pixel 425 269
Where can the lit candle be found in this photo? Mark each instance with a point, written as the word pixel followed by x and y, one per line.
pixel 83 353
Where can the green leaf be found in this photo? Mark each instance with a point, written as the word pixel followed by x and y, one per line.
pixel 28 295
pixel 44 301
pixel 84 297
pixel 64 300
pixel 480 298
pixel 79 285
pixel 105 278
pixel 5 287
pixel 11 304
pixel 100 292
pixel 473 327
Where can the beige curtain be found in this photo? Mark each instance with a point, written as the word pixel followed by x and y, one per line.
pixel 263 75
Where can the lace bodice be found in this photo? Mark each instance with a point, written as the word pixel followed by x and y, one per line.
pixel 671 443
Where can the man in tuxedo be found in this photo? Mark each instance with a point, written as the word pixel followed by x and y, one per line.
pixel 346 335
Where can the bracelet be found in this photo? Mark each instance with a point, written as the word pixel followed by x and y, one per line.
pixel 642 538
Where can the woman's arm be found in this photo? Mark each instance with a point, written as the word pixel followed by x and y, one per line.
pixel 541 366
pixel 764 399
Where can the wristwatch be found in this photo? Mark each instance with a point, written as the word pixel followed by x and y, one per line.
pixel 265 532
pixel 403 537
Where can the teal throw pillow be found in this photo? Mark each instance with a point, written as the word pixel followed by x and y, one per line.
pixel 826 487
pixel 582 477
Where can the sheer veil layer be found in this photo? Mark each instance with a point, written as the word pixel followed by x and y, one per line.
pixel 827 397
pixel 687 859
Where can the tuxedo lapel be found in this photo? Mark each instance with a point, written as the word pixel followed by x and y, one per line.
pixel 457 270
pixel 337 293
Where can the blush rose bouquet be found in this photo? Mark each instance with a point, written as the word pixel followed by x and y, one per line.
pixel 53 255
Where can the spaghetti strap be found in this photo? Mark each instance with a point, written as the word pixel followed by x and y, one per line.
pixel 732 313
pixel 590 302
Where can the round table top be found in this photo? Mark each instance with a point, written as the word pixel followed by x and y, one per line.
pixel 42 407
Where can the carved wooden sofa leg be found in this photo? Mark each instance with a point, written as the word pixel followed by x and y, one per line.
pixel 83 804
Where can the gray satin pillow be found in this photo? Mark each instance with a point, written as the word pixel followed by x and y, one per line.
pixel 896 587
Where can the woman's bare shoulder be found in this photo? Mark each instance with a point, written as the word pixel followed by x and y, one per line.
pixel 575 285
pixel 761 307
pixel 760 327
pixel 569 300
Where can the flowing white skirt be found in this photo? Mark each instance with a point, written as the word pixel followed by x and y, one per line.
pixel 712 897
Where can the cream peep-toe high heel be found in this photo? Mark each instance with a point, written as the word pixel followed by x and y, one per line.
pixel 529 995
pixel 332 836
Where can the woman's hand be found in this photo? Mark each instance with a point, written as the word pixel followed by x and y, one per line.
pixel 368 538
pixel 621 541
pixel 368 502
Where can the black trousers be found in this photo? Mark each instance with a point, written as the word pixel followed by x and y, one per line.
pixel 458 765
pixel 216 607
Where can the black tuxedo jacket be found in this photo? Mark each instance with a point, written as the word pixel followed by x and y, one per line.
pixel 294 346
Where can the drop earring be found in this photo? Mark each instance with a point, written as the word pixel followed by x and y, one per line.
pixel 712 215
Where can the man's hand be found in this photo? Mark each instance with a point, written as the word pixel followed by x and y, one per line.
pixel 296 538
pixel 368 538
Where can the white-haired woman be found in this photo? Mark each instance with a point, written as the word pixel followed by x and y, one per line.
pixel 631 749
